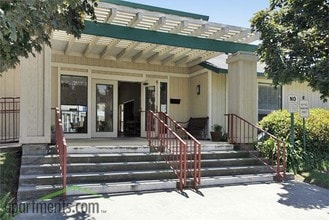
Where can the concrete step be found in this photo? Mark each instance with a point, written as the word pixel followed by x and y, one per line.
pixel 236 179
pixel 134 175
pixel 38 191
pixel 94 177
pixel 240 170
pixel 94 167
pixel 108 149
pixel 105 170
pixel 27 169
pixel 138 148
pixel 217 146
pixel 123 157
pixel 230 162
pixel 93 158
pixel 224 154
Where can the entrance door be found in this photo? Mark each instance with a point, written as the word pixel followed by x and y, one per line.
pixel 149 94
pixel 104 109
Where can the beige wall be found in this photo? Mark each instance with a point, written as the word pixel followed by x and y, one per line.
pixel 65 59
pixel 242 85
pixel 10 83
pixel 218 99
pixel 177 78
pixel 199 103
pixel 299 89
pixel 179 88
pixel 302 90
pixel 35 98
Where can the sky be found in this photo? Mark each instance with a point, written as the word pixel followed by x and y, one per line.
pixel 230 12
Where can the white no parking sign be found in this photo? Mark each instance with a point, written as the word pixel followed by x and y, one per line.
pixel 292 103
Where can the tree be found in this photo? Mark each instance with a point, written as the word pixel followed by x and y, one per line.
pixel 26 25
pixel 295 42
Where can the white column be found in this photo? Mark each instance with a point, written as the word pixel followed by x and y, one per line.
pixel 242 85
pixel 35 98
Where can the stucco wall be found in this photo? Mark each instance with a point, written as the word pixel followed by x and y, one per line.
pixel 10 83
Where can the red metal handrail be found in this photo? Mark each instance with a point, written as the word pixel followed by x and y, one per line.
pixel 9 119
pixel 61 148
pixel 171 146
pixel 240 131
pixel 193 148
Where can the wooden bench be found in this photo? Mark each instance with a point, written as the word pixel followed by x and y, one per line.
pixel 198 127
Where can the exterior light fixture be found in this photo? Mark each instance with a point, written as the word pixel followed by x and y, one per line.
pixel 197 89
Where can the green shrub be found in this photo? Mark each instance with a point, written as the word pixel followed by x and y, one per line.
pixel 316 155
pixel 5 201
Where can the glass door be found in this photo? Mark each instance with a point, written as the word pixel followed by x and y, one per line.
pixel 149 102
pixel 104 108
pixel 154 98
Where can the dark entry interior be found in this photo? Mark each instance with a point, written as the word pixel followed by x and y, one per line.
pixel 129 109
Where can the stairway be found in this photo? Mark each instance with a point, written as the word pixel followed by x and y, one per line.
pixel 126 171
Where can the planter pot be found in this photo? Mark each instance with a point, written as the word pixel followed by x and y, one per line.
pixel 216 136
pixel 53 138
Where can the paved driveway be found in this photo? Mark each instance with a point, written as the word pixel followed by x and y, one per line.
pixel 289 200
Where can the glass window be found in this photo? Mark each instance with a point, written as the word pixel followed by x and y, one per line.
pixel 269 99
pixel 74 103
pixel 104 108
pixel 163 97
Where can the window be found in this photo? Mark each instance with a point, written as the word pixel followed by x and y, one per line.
pixel 74 107
pixel 104 108
pixel 269 99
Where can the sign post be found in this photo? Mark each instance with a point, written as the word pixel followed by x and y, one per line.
pixel 304 113
pixel 293 108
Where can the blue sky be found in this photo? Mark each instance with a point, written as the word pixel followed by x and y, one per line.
pixel 232 12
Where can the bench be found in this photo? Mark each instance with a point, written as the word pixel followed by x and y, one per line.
pixel 197 127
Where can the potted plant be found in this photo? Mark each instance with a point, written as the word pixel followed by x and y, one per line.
pixel 217 133
pixel 53 135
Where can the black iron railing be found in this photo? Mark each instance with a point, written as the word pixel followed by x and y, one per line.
pixel 9 119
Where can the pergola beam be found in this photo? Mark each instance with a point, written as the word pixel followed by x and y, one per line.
pixel 160 38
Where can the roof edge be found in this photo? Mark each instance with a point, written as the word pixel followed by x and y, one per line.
pixel 212 67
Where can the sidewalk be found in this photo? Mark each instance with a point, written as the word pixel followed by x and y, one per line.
pixel 290 200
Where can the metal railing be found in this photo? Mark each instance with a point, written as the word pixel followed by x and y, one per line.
pixel 182 152
pixel 61 148
pixel 9 119
pixel 193 149
pixel 241 132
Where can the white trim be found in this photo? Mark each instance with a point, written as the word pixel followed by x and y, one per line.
pixel 120 70
pixel 62 72
pixel 210 104
pixel 93 112
pixel 47 92
pixel 143 103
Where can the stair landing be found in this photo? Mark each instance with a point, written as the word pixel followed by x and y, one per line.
pixel 128 145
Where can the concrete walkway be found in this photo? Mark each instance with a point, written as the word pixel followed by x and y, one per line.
pixel 289 200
